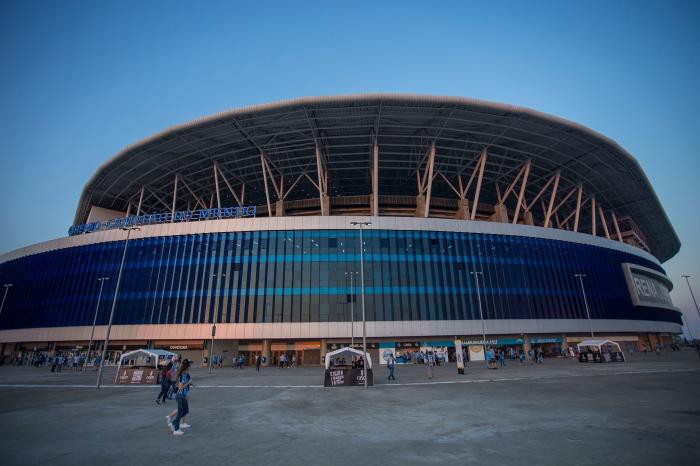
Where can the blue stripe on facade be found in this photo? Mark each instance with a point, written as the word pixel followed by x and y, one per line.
pixel 299 276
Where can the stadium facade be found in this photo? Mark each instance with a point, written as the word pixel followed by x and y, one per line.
pixel 485 219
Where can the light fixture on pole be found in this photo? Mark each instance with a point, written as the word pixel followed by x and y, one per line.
pixel 352 308
pixel 585 301
pixel 114 302
pixel 7 288
pixel 94 321
pixel 481 312
pixel 362 287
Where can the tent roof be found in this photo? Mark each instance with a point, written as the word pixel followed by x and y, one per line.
pixel 596 342
pixel 347 350
pixel 155 352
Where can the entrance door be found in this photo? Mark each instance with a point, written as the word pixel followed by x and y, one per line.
pixel 312 357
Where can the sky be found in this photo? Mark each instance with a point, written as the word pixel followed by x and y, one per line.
pixel 81 80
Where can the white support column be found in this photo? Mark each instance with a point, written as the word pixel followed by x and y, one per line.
pixel 375 180
pixel 482 161
pixel 138 208
pixel 605 224
pixel 321 184
pixel 578 206
pixel 128 209
pixel 431 165
pixel 521 194
pixel 617 227
pixel 593 212
pixel 548 215
pixel 267 191
pixel 172 216
pixel 242 198
pixel 216 186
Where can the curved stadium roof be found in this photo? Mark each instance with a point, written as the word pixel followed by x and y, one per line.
pixel 404 127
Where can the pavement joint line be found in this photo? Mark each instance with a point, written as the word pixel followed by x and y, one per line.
pixel 441 382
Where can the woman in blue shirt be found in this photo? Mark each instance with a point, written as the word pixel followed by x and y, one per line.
pixel 183 389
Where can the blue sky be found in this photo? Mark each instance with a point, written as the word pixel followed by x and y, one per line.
pixel 81 80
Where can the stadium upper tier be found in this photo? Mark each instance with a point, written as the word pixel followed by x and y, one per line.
pixel 425 156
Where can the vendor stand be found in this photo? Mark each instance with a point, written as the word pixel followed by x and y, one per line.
pixel 140 367
pixel 342 368
pixel 600 351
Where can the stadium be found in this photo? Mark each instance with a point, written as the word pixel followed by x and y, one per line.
pixel 481 222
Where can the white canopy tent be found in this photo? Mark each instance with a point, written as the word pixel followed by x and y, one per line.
pixel 349 353
pixel 144 358
pixel 603 346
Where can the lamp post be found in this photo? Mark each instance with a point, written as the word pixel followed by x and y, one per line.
pixel 4 296
pixel 213 333
pixel 481 312
pixel 362 286
pixel 689 288
pixel 114 302
pixel 585 301
pixel 94 321
pixel 352 308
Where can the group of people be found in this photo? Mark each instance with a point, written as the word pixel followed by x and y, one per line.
pixel 287 362
pixel 175 381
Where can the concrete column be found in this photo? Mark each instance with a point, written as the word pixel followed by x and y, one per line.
pixel 463 209
pixel 564 342
pixel 526 344
pixel 420 206
pixel 528 218
pixel 266 353
pixel 323 350
pixel 325 204
pixel 279 209
pixel 371 203
pixel 500 213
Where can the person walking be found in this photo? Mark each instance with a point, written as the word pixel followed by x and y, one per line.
pixel 502 358
pixel 391 364
pixel 521 356
pixel 164 383
pixel 258 361
pixel 430 362
pixel 184 382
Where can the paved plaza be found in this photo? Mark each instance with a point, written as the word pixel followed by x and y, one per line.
pixel 561 412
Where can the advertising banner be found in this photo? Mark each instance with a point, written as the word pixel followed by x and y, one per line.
pixel 386 350
pixel 347 377
pixel 460 359
pixel 137 376
pixel 476 353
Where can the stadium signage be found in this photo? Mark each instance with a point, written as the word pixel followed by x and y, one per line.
pixel 152 219
pixel 648 287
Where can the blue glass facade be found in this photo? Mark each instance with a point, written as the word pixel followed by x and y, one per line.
pixel 303 276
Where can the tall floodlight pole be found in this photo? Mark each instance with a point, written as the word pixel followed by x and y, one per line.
pixel 362 287
pixel 114 302
pixel 585 301
pixel 94 321
pixel 7 288
pixel 352 308
pixel 481 312
pixel 689 288
pixel 213 333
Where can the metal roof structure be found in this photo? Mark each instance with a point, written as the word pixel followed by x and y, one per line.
pixel 345 148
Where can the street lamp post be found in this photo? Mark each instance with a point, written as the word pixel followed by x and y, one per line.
pixel 114 302
pixel 352 308
pixel 481 312
pixel 362 287
pixel 585 301
pixel 691 293
pixel 213 332
pixel 94 321
pixel 7 288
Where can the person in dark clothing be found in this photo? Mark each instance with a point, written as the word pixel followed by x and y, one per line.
pixel 164 383
pixel 258 361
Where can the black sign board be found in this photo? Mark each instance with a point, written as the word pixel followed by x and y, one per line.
pixel 590 356
pixel 347 377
